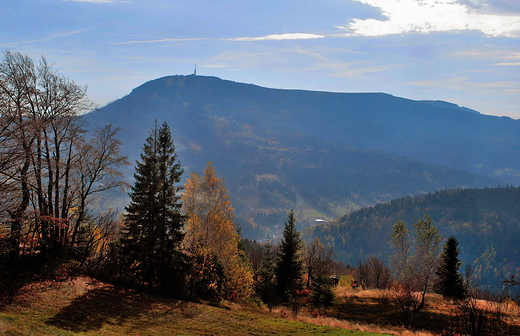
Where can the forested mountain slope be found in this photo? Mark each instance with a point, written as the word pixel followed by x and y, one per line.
pixel 321 153
pixel 485 221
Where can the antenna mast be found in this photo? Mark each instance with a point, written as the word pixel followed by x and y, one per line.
pixel 195 71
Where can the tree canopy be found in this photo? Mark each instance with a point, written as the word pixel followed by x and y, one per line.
pixel 211 235
pixel 290 265
pixel 153 224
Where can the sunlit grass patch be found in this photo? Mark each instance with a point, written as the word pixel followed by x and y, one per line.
pixel 83 306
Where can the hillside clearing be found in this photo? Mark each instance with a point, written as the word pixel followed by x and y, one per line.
pixel 84 306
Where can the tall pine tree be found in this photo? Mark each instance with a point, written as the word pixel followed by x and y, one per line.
pixel 290 267
pixel 266 283
pixel 449 282
pixel 153 225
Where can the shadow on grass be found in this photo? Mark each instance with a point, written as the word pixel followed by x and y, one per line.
pixel 99 306
pixel 367 310
pixel 20 272
pixel 381 311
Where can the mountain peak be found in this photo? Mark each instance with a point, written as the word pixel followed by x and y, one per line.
pixel 318 152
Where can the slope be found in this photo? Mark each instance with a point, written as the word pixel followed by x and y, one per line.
pixel 85 306
pixel 321 153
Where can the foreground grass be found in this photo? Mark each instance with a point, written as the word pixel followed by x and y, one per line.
pixel 439 316
pixel 83 306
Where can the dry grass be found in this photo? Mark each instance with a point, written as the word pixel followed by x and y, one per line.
pixel 359 306
pixel 370 298
pixel 83 306
pixel 344 324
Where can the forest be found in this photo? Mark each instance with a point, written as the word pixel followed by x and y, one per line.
pixel 485 220
pixel 180 240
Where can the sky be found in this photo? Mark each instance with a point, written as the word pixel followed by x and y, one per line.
pixel 465 52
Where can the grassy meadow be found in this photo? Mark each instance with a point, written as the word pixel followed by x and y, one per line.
pixel 84 306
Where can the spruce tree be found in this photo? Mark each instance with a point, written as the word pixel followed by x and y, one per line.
pixel 289 267
pixel 266 284
pixel 449 282
pixel 153 225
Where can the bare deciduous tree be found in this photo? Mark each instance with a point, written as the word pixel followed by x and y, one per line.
pixel 373 273
pixel 415 264
pixel 318 260
pixel 43 148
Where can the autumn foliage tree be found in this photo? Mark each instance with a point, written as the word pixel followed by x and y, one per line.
pixel 211 238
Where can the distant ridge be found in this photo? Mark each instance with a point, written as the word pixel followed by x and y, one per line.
pixel 321 153
pixel 485 221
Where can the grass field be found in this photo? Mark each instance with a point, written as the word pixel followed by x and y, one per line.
pixel 83 306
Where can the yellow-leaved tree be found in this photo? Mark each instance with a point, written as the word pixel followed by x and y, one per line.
pixel 220 269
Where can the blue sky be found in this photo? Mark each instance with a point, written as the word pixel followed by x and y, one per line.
pixel 462 51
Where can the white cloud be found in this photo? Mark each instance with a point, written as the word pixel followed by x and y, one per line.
pixel 424 16
pixel 509 64
pixel 293 36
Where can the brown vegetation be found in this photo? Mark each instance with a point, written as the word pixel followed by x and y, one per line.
pixel 85 305
pixel 439 316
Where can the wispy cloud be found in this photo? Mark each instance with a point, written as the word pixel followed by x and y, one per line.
pixel 293 36
pixel 247 60
pixel 165 40
pixel 424 16
pixel 509 64
pixel 278 37
pixel 97 1
pixel 349 71
pixel 464 83
pixel 51 37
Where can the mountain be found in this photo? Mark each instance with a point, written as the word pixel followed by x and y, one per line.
pixel 485 221
pixel 323 154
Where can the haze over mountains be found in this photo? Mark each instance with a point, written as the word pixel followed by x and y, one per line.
pixel 321 153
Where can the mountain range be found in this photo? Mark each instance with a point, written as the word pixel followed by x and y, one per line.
pixel 322 154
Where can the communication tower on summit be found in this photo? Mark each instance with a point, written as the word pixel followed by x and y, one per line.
pixel 195 70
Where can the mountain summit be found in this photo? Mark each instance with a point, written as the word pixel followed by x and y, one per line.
pixel 320 153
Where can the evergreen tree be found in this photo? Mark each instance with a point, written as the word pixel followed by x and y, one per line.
pixel 266 283
pixel 322 296
pixel 289 267
pixel 153 225
pixel 449 282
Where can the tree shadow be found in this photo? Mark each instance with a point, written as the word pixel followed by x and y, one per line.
pixel 381 311
pixel 17 273
pixel 99 306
